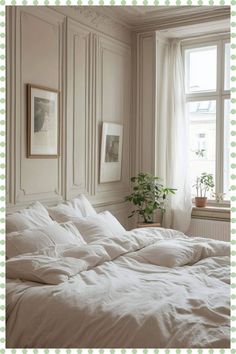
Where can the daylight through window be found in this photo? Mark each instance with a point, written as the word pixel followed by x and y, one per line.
pixel 207 85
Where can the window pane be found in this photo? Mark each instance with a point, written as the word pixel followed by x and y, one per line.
pixel 227 67
pixel 226 148
pixel 202 117
pixel 201 69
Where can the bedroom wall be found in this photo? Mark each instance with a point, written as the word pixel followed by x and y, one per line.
pixel 86 56
pixel 145 124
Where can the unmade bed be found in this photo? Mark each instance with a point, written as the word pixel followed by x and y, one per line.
pixel 146 288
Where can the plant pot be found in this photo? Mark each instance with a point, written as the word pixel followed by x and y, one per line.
pixel 200 202
pixel 148 224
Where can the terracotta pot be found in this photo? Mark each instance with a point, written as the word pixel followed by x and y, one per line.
pixel 200 202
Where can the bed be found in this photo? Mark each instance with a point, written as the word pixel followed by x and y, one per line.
pixel 145 288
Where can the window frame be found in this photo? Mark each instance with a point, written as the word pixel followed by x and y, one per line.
pixel 219 95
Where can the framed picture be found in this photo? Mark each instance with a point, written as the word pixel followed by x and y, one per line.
pixel 111 152
pixel 43 122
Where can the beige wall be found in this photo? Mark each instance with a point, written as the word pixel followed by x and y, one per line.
pixel 145 158
pixel 91 69
pixel 86 55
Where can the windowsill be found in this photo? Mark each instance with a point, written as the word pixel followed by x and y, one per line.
pixel 218 212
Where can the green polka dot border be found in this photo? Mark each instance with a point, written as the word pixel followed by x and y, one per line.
pixel 2 171
pixel 232 174
pixel 3 191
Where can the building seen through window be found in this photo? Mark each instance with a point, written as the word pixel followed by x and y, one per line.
pixel 207 70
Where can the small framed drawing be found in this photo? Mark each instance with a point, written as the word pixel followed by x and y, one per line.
pixel 43 122
pixel 111 152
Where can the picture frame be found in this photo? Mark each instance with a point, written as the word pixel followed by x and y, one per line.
pixel 43 122
pixel 111 152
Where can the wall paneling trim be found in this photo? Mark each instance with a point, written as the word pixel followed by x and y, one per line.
pixel 91 69
pixel 36 61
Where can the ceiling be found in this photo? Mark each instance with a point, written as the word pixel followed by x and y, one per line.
pixel 136 16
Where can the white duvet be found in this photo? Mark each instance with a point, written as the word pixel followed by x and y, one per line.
pixel 148 288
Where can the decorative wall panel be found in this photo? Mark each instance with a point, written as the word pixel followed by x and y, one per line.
pixel 79 102
pixel 92 72
pixel 113 105
pixel 145 129
pixel 37 59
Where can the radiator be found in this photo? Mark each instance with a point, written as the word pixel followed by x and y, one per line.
pixel 219 230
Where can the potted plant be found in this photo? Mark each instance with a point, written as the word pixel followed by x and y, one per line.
pixel 148 194
pixel 204 183
pixel 219 197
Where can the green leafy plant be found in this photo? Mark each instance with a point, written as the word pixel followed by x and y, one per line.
pixel 204 183
pixel 219 197
pixel 148 195
pixel 200 152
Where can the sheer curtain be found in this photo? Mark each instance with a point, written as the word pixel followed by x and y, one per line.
pixel 172 134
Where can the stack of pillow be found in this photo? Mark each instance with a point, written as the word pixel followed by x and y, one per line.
pixel 90 224
pixel 75 222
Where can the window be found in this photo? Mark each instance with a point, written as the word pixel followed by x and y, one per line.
pixel 207 85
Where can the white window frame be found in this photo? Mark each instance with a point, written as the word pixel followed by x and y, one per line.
pixel 220 95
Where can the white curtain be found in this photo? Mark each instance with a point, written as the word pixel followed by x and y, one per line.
pixel 172 133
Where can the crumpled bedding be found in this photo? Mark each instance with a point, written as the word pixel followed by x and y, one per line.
pixel 148 288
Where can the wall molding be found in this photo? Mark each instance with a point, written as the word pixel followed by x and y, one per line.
pixel 96 20
pixel 138 20
pixel 10 184
pixel 79 102
pixel 78 53
pixel 145 110
pixel 105 47
pixel 182 20
pixel 17 118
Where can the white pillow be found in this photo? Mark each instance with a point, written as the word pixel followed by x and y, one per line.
pixel 63 212
pixel 77 207
pixel 168 253
pixel 113 224
pixel 81 204
pixel 31 218
pixel 33 240
pixel 74 233
pixel 92 228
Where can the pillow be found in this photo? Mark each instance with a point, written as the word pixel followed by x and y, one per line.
pixel 92 228
pixel 63 212
pixel 113 224
pixel 168 253
pixel 28 241
pixel 31 218
pixel 81 204
pixel 74 233
pixel 78 207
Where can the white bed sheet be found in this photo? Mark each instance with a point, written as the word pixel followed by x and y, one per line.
pixel 116 293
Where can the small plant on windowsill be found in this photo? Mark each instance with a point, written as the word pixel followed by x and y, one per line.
pixel 200 153
pixel 204 183
pixel 219 197
pixel 148 195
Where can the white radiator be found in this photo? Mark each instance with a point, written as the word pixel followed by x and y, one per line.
pixel 219 230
